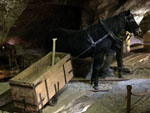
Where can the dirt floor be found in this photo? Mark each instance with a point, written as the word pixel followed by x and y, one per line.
pixel 79 97
pixel 75 97
pixel 115 100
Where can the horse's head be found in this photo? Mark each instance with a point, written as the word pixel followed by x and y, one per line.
pixel 130 24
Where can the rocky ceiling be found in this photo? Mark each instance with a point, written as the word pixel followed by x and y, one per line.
pixel 32 19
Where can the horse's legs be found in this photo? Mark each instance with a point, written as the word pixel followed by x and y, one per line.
pixel 97 63
pixel 107 72
pixel 119 53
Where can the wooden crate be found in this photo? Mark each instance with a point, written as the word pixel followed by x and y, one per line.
pixel 36 85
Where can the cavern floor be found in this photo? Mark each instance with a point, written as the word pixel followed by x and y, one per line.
pixel 78 97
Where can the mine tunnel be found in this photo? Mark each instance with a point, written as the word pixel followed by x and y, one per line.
pixel 30 82
pixel 33 26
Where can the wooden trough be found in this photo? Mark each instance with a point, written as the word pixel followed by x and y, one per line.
pixel 36 85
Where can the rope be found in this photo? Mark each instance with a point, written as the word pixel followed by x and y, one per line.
pixel 141 100
pixel 141 94
pixel 144 97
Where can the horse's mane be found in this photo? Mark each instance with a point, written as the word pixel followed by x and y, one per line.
pixel 115 23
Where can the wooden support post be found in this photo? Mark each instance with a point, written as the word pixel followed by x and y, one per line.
pixel 129 87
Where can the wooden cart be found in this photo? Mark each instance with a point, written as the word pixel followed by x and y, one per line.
pixel 36 85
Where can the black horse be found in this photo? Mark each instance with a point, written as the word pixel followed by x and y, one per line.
pixel 77 41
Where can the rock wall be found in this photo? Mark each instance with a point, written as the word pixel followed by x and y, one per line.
pixel 9 12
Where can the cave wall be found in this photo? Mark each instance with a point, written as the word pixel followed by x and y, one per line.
pixel 22 17
pixel 145 24
pixel 9 12
pixel 33 26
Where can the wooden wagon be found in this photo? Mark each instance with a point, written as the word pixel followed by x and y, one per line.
pixel 36 85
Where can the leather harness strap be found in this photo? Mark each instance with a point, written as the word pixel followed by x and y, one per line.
pixel 93 44
pixel 108 31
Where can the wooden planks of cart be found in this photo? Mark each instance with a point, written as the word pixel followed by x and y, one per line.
pixel 35 86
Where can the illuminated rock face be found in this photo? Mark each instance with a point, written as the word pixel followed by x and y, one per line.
pixel 9 12
pixel 145 26
pixel 32 20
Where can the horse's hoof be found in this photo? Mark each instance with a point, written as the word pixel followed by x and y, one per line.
pixel 92 82
pixel 108 75
pixel 53 101
pixel 120 75
pixel 96 87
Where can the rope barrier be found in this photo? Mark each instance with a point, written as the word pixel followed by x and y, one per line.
pixel 144 97
pixel 141 94
pixel 129 94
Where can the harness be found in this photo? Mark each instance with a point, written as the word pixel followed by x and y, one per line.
pixel 108 31
pixel 91 41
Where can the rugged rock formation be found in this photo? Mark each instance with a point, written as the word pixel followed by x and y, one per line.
pixel 25 19
pixel 9 12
